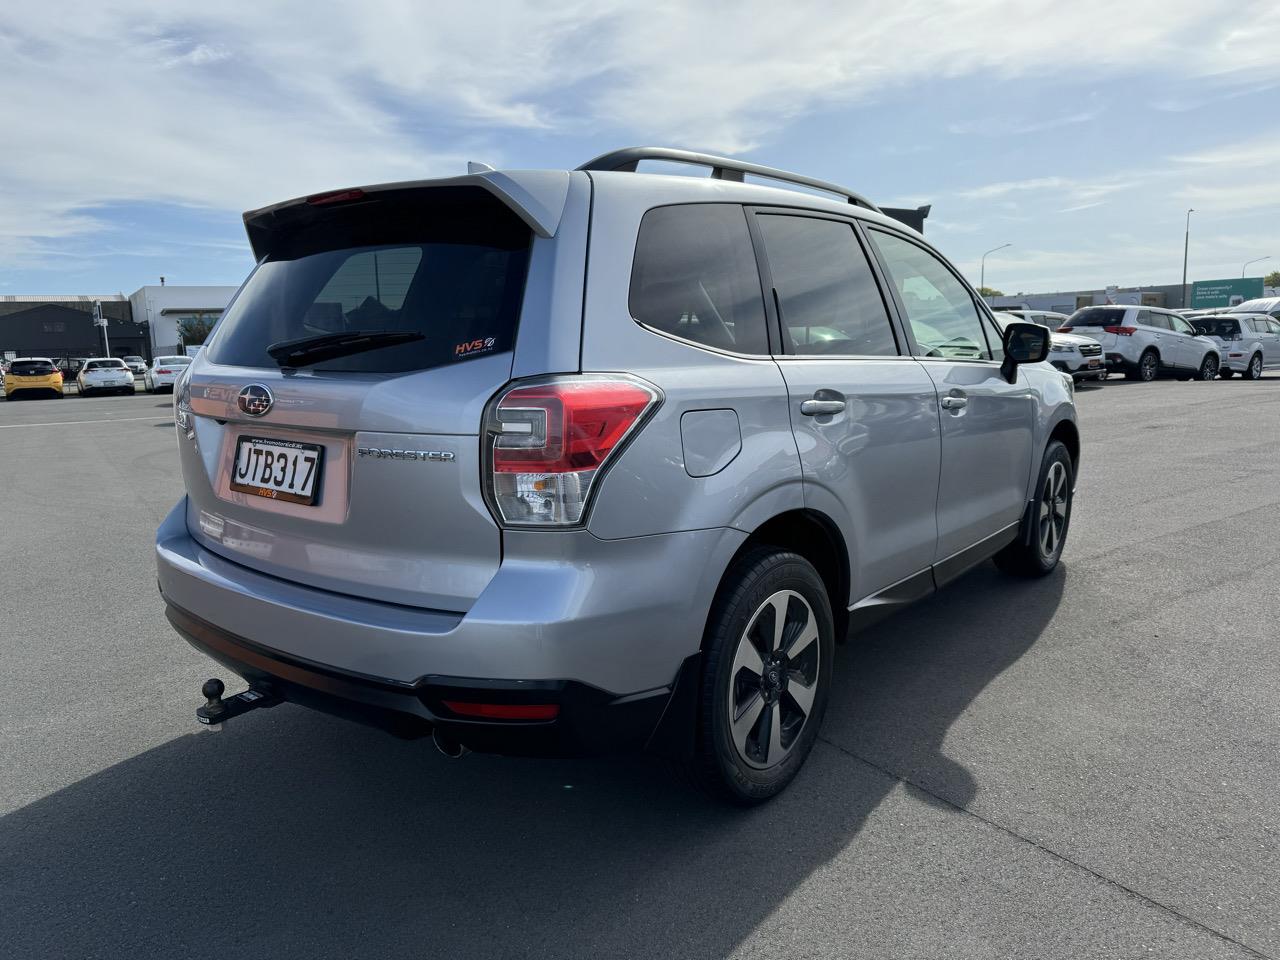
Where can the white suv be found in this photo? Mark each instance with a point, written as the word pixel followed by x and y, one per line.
pixel 1147 341
pixel 1248 342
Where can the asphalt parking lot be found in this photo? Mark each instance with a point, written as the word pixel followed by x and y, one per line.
pixel 1084 766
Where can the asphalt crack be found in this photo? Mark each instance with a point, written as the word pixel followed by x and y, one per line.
pixel 1061 858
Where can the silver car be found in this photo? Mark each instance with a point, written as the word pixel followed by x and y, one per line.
pixel 163 373
pixel 1144 342
pixel 1268 305
pixel 104 375
pixel 1248 342
pixel 1071 353
pixel 559 462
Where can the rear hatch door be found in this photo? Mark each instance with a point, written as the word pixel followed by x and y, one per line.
pixel 1094 321
pixel 356 468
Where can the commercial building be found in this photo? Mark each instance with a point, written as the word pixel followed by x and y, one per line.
pixel 166 309
pixel 62 326
pixel 146 324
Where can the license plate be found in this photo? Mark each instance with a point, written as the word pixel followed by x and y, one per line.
pixel 1095 362
pixel 278 469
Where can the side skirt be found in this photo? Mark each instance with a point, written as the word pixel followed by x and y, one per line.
pixel 947 570
pixel 873 609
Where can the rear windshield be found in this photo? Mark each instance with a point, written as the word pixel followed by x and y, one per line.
pixel 1096 317
pixel 104 365
pixel 447 263
pixel 172 361
pixel 31 368
pixel 134 360
pixel 1215 326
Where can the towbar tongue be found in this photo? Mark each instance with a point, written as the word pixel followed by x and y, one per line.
pixel 216 710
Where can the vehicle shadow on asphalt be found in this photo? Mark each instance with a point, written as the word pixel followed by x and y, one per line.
pixel 294 834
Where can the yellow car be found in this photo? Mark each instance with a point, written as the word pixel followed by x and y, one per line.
pixel 32 377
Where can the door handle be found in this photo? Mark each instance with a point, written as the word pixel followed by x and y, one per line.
pixel 954 403
pixel 817 408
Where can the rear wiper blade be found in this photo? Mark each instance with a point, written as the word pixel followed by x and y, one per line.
pixel 329 346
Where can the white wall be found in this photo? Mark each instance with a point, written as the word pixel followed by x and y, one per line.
pixel 162 307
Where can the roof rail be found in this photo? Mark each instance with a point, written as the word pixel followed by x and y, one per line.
pixel 722 168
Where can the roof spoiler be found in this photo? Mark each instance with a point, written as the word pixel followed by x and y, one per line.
pixel 536 196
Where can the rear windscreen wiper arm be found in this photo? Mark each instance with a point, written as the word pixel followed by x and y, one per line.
pixel 308 350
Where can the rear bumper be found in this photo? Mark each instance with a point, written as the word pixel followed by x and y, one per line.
pixel 1238 364
pixel 604 626
pixel 33 387
pixel 1078 366
pixel 589 721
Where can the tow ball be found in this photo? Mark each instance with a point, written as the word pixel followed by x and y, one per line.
pixel 216 710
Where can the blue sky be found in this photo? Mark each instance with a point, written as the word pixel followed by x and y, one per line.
pixel 1080 133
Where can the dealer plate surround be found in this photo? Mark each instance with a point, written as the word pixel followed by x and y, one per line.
pixel 277 469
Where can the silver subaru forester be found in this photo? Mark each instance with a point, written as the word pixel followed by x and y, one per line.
pixel 563 462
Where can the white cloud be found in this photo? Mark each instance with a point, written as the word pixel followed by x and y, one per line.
pixel 234 104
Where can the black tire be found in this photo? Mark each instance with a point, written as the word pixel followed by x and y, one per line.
pixel 1226 373
pixel 1036 552
pixel 1148 367
pixel 747 774
pixel 1209 367
pixel 1254 370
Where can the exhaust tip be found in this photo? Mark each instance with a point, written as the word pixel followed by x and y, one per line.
pixel 448 744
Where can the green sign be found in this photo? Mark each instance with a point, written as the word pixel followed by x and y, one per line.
pixel 1224 293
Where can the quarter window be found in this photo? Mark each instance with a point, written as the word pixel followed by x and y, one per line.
pixel 943 315
pixel 828 298
pixel 695 277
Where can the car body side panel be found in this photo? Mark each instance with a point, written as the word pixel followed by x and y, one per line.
pixel 873 467
pixel 648 489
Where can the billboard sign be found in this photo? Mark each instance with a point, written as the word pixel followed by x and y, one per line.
pixel 1224 293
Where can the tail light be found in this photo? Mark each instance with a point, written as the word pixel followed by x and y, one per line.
pixel 1064 329
pixel 1121 331
pixel 163 372
pixel 335 196
pixel 547 441
pixel 504 711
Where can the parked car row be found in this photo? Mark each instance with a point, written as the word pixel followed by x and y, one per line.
pixel 42 377
pixel 1144 342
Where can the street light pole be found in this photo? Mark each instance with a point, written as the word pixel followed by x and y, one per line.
pixel 982 272
pixel 100 321
pixel 1246 266
pixel 1186 245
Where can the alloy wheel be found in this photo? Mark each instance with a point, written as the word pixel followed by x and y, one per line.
pixel 1053 509
pixel 774 679
pixel 1210 369
pixel 1149 366
pixel 1255 366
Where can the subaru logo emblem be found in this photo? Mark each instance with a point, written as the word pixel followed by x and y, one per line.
pixel 255 400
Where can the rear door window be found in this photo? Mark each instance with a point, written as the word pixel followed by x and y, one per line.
pixel 694 277
pixel 828 298
pixel 1151 319
pixel 447 265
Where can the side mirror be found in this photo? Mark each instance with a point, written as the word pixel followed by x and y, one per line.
pixel 1023 343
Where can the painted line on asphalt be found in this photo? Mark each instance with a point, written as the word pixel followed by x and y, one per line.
pixel 72 423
